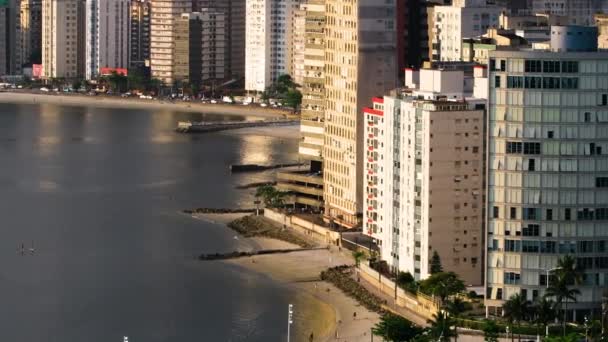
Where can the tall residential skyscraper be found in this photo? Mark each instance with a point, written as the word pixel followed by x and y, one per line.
pixel 234 10
pixel 31 31
pixel 164 14
pixel 199 47
pixel 424 171
pixel 360 63
pixel 63 38
pixel 463 19
pixel 269 41
pixel 107 35
pixel 10 43
pixel 139 41
pixel 548 168
pixel 308 185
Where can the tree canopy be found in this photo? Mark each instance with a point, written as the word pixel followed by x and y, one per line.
pixel 394 328
pixel 442 284
pixel 436 263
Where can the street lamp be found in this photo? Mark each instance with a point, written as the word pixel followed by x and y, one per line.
pixel 586 329
pixel 547 287
pixel 289 320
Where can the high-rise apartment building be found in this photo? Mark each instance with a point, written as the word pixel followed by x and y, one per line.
pixel 360 63
pixel 424 172
pixel 548 168
pixel 269 41
pixel 10 43
pixel 164 14
pixel 463 19
pixel 199 47
pixel 107 35
pixel 298 51
pixel 307 186
pixel 63 38
pixel 139 40
pixel 31 31
pixel 234 11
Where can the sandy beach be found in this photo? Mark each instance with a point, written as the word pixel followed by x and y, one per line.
pixel 135 103
pixel 300 271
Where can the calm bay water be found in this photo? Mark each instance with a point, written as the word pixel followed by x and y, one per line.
pixel 97 192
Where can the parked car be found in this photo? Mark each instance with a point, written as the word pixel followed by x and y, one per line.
pixel 44 89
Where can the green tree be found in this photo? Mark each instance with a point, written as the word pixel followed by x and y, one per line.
pixel 271 196
pixel 563 277
pixel 136 79
pixel 406 281
pixel 117 82
pixel 293 99
pixel 491 331
pixel 457 306
pixel 358 255
pixel 443 285
pixel 544 312
pixel 569 338
pixel 516 309
pixel 436 263
pixel 440 328
pixel 394 328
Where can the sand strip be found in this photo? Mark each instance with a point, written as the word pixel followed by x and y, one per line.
pixel 135 103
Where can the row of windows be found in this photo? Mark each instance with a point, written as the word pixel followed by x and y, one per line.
pixel 535 214
pixel 552 247
pixel 550 66
pixel 536 82
pixel 526 147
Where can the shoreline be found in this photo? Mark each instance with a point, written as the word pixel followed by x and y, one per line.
pixel 136 103
pixel 300 273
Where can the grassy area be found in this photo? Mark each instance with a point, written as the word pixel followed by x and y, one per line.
pixel 259 226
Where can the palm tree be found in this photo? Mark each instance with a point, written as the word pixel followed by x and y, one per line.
pixel 544 312
pixel 569 270
pixel 358 255
pixel 562 293
pixel 566 274
pixel 440 327
pixel 516 309
pixel 456 306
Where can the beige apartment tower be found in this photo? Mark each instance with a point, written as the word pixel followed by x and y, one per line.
pixel 163 17
pixel 360 62
pixel 31 31
pixel 63 38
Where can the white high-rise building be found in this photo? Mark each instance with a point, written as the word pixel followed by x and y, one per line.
pixel 268 41
pixel 463 19
pixel 424 171
pixel 548 168
pixel 107 36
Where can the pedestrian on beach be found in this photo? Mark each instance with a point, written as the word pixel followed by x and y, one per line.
pixel 354 315
pixel 311 338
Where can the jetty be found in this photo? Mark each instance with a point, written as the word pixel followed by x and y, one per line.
pixel 217 126
pixel 237 254
pixel 256 168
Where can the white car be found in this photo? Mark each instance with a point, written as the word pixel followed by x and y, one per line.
pixel 45 89
pixel 263 105
pixel 214 101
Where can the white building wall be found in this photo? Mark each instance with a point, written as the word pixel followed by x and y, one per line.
pixel 453 23
pixel 268 43
pixel 107 36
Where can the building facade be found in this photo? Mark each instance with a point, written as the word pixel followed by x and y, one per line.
pixel 463 19
pixel 578 12
pixel 139 39
pixel 548 173
pixel 31 32
pixel 63 38
pixel 107 35
pixel 269 41
pixel 307 186
pixel 163 16
pixel 234 11
pixel 10 43
pixel 360 62
pixel 424 172
pixel 200 47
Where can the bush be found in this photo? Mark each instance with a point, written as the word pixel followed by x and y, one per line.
pixel 341 277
